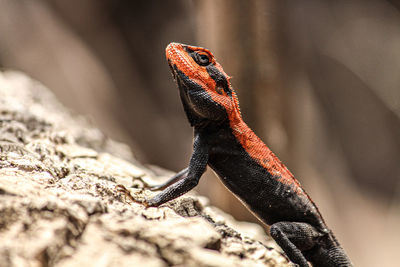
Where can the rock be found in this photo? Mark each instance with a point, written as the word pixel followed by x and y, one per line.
pixel 60 203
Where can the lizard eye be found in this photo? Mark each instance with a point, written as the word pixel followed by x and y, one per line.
pixel 219 90
pixel 201 59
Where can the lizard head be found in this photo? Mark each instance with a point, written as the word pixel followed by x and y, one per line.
pixel 204 87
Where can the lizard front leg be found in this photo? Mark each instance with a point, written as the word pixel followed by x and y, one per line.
pixel 185 180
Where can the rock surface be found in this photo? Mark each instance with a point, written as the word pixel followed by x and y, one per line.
pixel 60 204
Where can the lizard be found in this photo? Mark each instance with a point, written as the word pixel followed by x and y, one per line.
pixel 246 166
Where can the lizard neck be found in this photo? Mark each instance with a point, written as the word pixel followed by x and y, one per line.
pixel 257 149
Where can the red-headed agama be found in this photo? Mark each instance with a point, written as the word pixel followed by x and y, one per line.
pixel 247 167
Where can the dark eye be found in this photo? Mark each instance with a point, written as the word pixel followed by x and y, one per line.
pixel 201 59
pixel 219 90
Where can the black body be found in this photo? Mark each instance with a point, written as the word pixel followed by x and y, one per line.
pixel 296 224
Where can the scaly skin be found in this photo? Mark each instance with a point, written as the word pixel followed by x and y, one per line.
pixel 243 162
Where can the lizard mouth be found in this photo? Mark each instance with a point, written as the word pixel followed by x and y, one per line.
pixel 177 75
pixel 178 80
pixel 182 86
pixel 172 69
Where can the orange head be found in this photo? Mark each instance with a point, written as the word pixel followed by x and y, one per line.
pixel 204 87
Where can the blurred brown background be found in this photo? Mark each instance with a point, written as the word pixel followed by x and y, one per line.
pixel 317 80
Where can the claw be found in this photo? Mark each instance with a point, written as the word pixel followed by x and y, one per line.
pixel 122 189
pixel 147 186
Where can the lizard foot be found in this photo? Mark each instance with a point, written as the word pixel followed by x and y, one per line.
pixel 123 190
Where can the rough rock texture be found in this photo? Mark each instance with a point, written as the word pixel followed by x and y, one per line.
pixel 60 204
